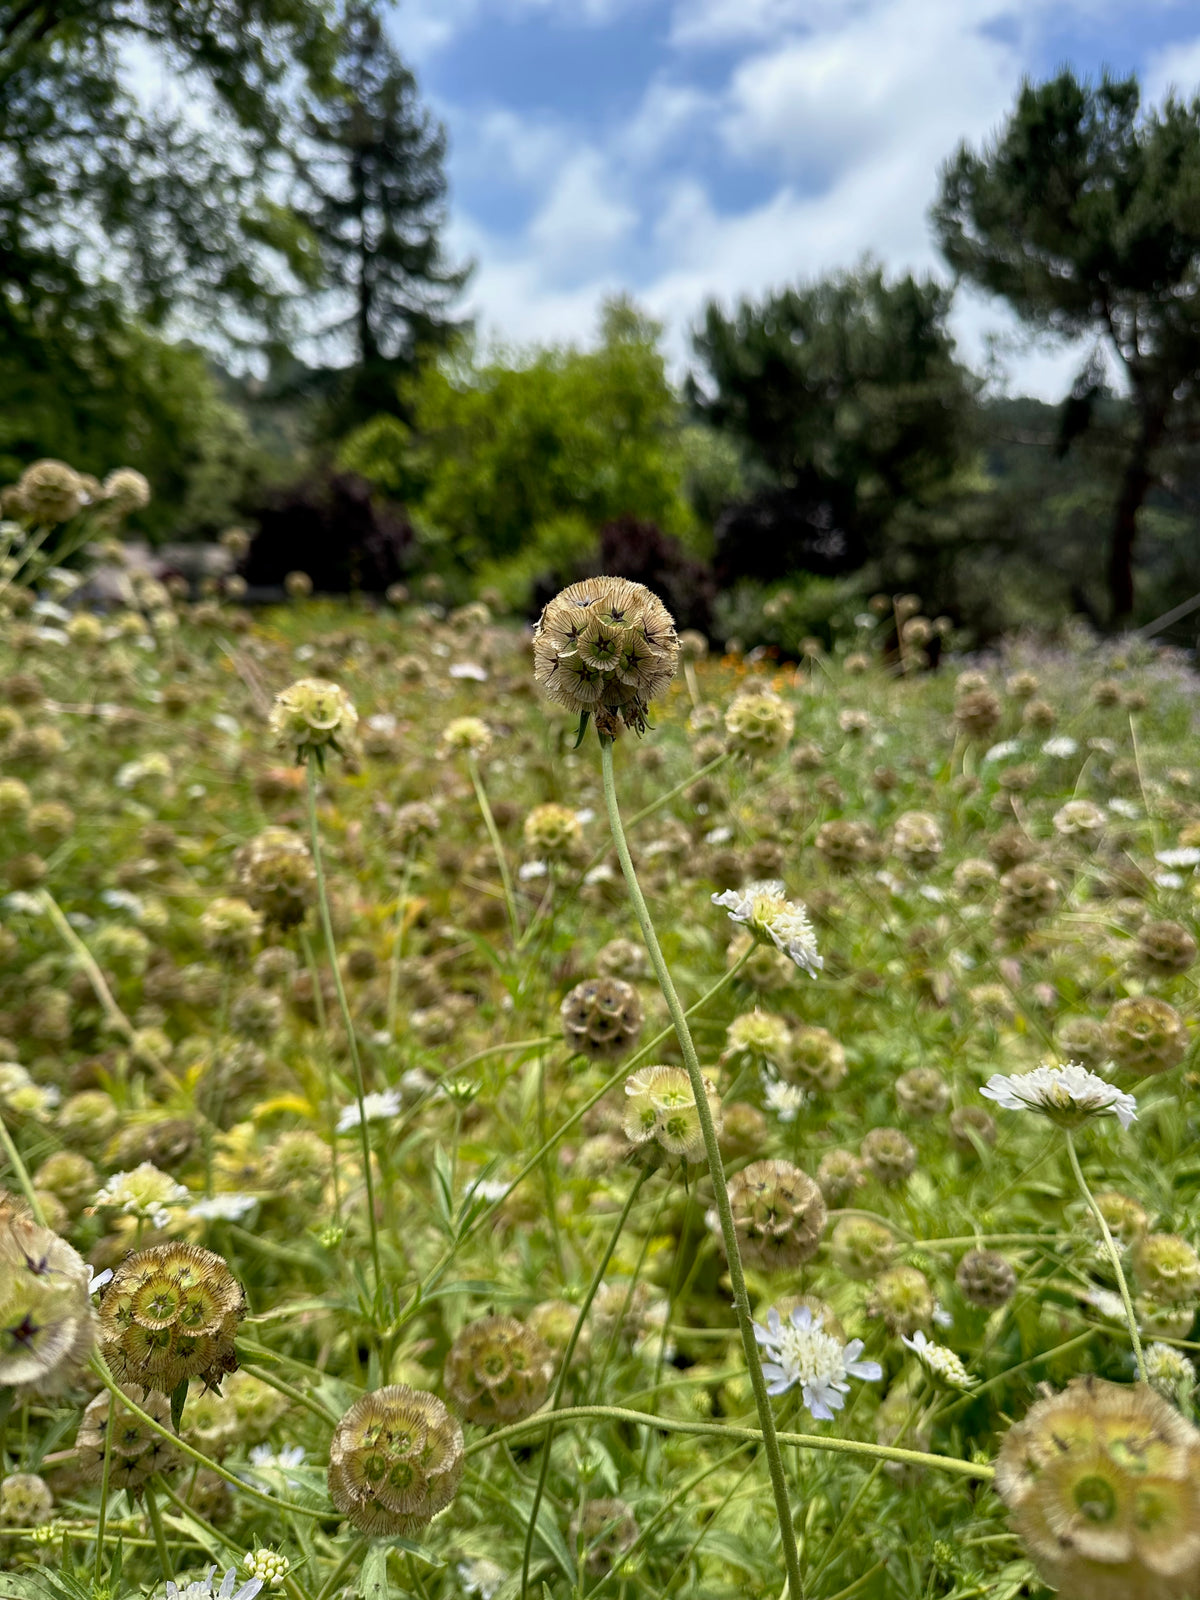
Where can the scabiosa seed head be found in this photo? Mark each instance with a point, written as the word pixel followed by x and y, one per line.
pixel 842 844
pixel 917 840
pixel 553 833
pixel 171 1313
pixel 817 1060
pixel 1164 948
pixel 758 725
pixel 758 1038
pixel 606 647
pixel 277 876
pixel 498 1370
pixel 604 1530
pixel 25 1500
pixel 661 1108
pixel 230 927
pixel 311 716
pixel 136 1451
pixel 50 491
pixel 890 1157
pixel 622 958
pixel 602 1018
pixel 778 1213
pixel 839 1176
pixel 861 1247
pixel 1167 1269
pixel 1102 1485
pixel 1126 1217
pixel 922 1093
pixel 395 1461
pixel 46 1322
pixel 1028 894
pixel 902 1299
pixel 986 1279
pixel 466 736
pixel 1145 1034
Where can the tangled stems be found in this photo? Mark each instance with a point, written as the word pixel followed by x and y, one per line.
pixel 347 1019
pixel 1114 1255
pixel 741 1299
pixel 516 1431
pixel 564 1367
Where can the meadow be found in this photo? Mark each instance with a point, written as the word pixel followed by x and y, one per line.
pixel 541 1161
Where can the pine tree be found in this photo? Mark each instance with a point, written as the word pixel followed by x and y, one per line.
pixel 379 178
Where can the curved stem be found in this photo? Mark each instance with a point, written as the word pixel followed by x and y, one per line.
pixel 741 1299
pixel 156 1523
pixel 515 1431
pixel 347 1020
pixel 564 1368
pixel 489 822
pixel 1114 1255
pixel 21 1173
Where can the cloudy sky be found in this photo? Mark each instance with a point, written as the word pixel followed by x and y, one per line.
pixel 688 149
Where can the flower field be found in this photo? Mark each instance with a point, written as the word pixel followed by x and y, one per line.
pixel 742 1137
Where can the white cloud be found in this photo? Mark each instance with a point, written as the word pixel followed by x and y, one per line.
pixel 583 219
pixel 1175 69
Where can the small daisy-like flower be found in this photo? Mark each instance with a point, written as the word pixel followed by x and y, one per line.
pixel 799 1351
pixel 938 1361
pixel 1061 746
pixel 772 918
pixel 784 1099
pixel 1003 751
pixel 375 1108
pixel 1183 856
pixel 145 1193
pixel 1068 1094
pixel 230 1207
pixel 202 1588
pixel 481 1577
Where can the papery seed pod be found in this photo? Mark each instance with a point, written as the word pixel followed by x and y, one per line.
pixel 986 1279
pixel 860 1247
pixel 890 1157
pixel 661 1107
pixel 136 1451
pixel 606 647
pixel 498 1370
pixel 46 1320
pixel 602 1018
pixel 743 1132
pixel 413 821
pixel 276 874
pixel 553 1321
pixel 923 1093
pixel 756 1039
pixel 25 1500
pixel 842 844
pixel 1009 847
pixel 69 1176
pixel 603 1530
pixel 977 713
pixel 778 1214
pixel 553 833
pixel 170 1313
pixel 395 1461
pixel 817 1059
pixel 622 958
pixel 1164 948
pixel 1126 1217
pixel 902 1299
pixel 974 878
pixel 1081 1039
pixel 1022 685
pixel 839 1176
pixel 1028 893
pixel 311 716
pixel 758 725
pixel 467 736
pixel 917 840
pixel 1167 1269
pixel 230 928
pixel 1102 1485
pixel 1145 1034
pixel 50 492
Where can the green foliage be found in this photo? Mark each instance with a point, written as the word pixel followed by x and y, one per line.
pixel 1082 213
pixel 784 614
pixel 847 387
pixel 120 395
pixel 504 449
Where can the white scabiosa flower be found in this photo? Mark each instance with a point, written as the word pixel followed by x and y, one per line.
pixel 1068 1094
pixel 764 909
pixel 784 1099
pixel 202 1588
pixel 1060 747
pixel 938 1361
pixel 146 1193
pixel 375 1108
pixel 1182 856
pixel 799 1351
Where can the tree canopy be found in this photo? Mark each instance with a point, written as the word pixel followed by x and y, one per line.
pixel 1084 213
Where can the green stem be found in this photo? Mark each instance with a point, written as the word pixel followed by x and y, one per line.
pixel 347 1020
pixel 531 1426
pixel 1114 1256
pixel 296 1396
pixel 160 1537
pixel 489 822
pixel 272 1502
pixel 564 1368
pixel 393 996
pixel 21 1173
pixel 102 1514
pixel 352 1557
pixel 741 1299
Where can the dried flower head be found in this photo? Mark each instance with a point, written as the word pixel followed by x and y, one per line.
pixel 661 1108
pixel 1102 1483
pixel 50 492
pixel 889 1155
pixel 230 928
pixel 602 1018
pixel 276 874
pixel 758 725
pixel 778 1213
pixel 1165 948
pixel 986 1279
pixel 902 1299
pixel 395 1461
pixel 311 716
pixel 917 840
pixel 466 736
pixel 553 833
pixel 25 1500
pixel 171 1313
pixel 136 1451
pixel 46 1322
pixel 606 647
pixel 1167 1269
pixel 498 1370
pixel 860 1247
pixel 839 1176
pixel 1145 1034
pixel 922 1093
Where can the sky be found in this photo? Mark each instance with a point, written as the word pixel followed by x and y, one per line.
pixel 688 150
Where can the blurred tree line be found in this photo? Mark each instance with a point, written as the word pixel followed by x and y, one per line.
pixel 290 189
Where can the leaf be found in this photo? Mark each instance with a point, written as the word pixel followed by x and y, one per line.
pixel 583 722
pixel 178 1400
pixel 373 1578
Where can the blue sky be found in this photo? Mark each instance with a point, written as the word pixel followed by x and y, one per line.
pixel 693 149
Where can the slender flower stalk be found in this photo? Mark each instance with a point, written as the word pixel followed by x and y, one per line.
pixel 493 833
pixel 21 1173
pixel 1114 1256
pixel 741 1299
pixel 347 1019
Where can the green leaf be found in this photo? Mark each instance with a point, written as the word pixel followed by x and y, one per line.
pixel 373 1578
pixel 178 1400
